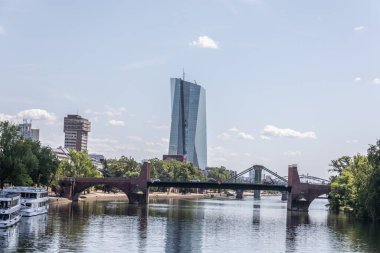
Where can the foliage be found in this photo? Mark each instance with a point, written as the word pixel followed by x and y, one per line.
pixel 80 165
pixel 172 170
pixel 122 167
pixel 220 174
pixel 357 185
pixel 23 161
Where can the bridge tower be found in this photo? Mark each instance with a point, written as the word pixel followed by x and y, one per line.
pixel 302 194
pixel 258 176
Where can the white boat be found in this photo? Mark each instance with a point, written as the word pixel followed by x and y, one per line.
pixel 34 201
pixel 9 208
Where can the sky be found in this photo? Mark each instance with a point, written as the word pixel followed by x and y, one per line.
pixel 287 82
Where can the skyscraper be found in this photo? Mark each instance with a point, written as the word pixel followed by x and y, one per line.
pixel 188 128
pixel 76 131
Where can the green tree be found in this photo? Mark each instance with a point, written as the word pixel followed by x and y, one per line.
pixel 219 174
pixel 79 165
pixel 122 167
pixel 8 141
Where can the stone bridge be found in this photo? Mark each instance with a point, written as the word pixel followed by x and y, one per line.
pixel 135 188
pixel 302 194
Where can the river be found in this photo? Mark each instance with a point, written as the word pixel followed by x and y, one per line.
pixel 189 225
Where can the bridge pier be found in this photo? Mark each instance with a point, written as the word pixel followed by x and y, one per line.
pixel 258 176
pixel 239 194
pixel 302 194
pixel 284 196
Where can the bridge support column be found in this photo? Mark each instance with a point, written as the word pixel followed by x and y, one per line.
pixel 284 196
pixel 139 194
pixel 302 194
pixel 258 176
pixel 239 194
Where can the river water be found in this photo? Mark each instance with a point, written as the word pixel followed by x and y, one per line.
pixel 189 225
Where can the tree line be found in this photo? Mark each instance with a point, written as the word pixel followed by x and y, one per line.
pixel 356 184
pixel 24 162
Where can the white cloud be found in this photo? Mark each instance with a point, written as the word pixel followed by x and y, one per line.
pixel 110 111
pixel 292 153
pixel 37 114
pixel 205 42
pixel 246 136
pixel 116 122
pixel 359 28
pixel 376 81
pixel 224 136
pixel 263 137
pixel 234 133
pixel 351 141
pixel 165 140
pixel 233 129
pixel 357 79
pixel 2 30
pixel 270 130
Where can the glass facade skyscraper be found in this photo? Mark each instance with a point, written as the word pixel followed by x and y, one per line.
pixel 188 128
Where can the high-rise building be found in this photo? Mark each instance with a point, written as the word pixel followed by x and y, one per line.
pixel 188 128
pixel 25 130
pixel 76 131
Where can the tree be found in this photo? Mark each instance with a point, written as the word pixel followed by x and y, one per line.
pixel 122 167
pixel 8 140
pixel 357 185
pixel 80 165
pixel 219 174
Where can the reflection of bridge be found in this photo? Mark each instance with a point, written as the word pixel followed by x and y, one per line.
pixel 300 195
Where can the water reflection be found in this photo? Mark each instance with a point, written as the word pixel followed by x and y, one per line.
pixel 188 226
pixel 9 237
pixel 294 220
pixel 359 235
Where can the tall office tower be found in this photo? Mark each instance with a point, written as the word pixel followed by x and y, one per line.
pixel 188 128
pixel 76 131
pixel 25 130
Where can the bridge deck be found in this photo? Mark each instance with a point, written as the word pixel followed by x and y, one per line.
pixel 231 186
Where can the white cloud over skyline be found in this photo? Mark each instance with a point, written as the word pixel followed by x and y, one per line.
pixel 30 114
pixel 376 81
pixel 270 130
pixel 114 122
pixel 359 28
pixel 204 42
pixel 246 136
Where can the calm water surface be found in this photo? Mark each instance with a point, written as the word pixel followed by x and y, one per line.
pixel 189 226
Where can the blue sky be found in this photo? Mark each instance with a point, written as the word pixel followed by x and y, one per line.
pixel 286 81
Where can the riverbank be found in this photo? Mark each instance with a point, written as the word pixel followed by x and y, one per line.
pixel 122 196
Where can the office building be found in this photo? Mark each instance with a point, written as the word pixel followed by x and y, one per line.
pixel 76 131
pixel 188 126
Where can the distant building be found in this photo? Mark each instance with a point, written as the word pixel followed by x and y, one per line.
pixel 188 127
pixel 180 158
pixel 97 161
pixel 27 132
pixel 62 153
pixel 76 131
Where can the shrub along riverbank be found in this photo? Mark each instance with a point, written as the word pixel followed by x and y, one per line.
pixel 356 184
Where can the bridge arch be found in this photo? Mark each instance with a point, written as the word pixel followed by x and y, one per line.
pixel 135 188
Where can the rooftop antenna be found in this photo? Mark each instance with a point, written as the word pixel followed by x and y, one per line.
pixel 183 74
